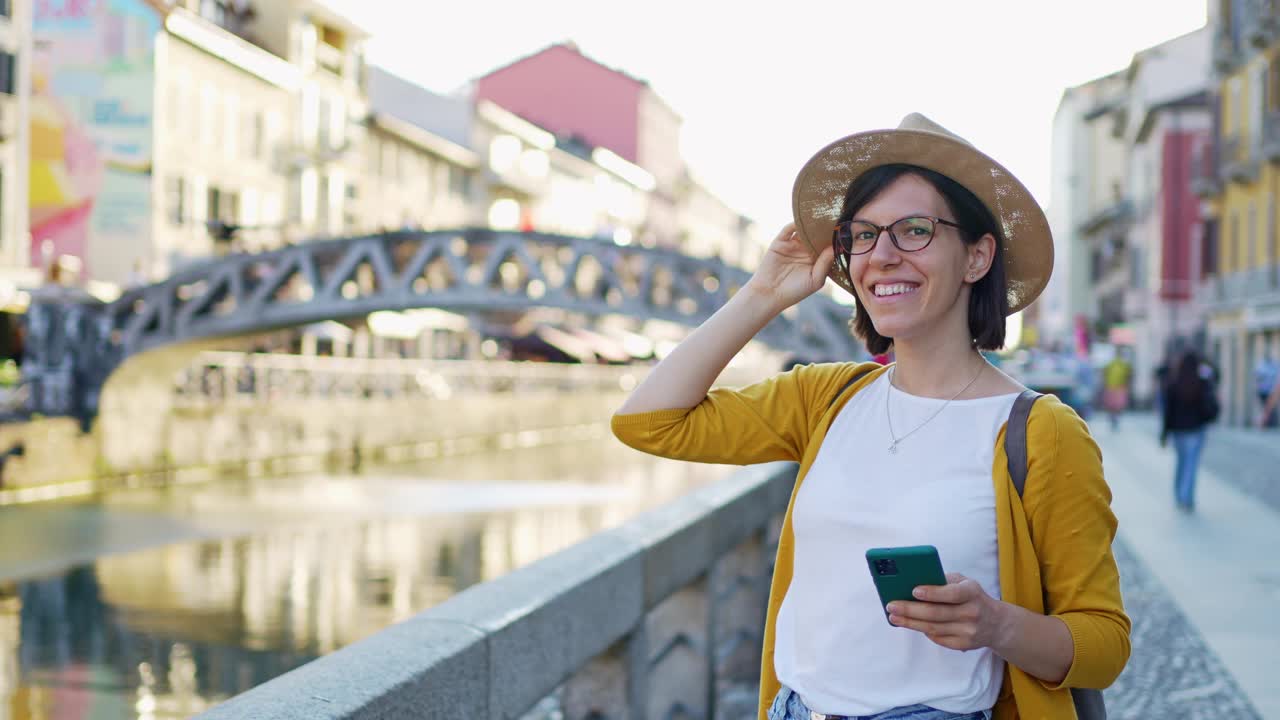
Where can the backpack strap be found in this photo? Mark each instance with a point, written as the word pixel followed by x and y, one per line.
pixel 1015 438
pixel 856 377
pixel 1089 704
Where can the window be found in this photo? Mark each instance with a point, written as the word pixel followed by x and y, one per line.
pixel 214 11
pixel 323 204
pixel 372 156
pixel 295 199
pixel 1257 105
pixel 257 135
pixel 310 115
pixel 337 121
pixel 1275 238
pixel 1251 254
pixel 8 65
pixel 323 138
pixel 1231 249
pixel 175 193
pixel 1273 87
pixel 1209 249
pixel 222 205
pixel 504 151
pixel 459 180
pixel 1235 106
pixel 504 214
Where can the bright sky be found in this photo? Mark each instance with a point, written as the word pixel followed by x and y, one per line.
pixel 763 88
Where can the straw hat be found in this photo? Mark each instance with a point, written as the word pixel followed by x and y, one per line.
pixel 818 195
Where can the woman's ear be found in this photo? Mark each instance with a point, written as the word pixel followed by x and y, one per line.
pixel 981 254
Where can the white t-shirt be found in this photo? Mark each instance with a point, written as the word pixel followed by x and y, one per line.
pixel 833 645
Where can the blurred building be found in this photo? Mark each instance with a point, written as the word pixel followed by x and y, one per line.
pixel 1087 178
pixel 710 228
pixel 1239 177
pixel 15 97
pixel 224 113
pixel 321 156
pixel 416 175
pixel 164 132
pixel 572 96
pixel 1127 217
pixel 533 179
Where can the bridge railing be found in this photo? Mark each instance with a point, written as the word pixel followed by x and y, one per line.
pixel 658 618
pixel 222 377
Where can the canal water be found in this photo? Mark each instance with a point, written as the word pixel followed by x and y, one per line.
pixel 157 604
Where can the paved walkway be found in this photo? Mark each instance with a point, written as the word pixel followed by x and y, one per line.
pixel 1202 588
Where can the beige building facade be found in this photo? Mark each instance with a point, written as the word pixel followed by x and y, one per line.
pixel 15 98
pixel 223 118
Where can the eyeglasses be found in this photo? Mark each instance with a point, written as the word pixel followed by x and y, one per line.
pixel 910 234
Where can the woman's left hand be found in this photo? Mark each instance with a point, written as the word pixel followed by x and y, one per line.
pixel 959 615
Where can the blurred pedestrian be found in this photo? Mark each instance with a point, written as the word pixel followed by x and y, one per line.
pixel 1269 407
pixel 1191 403
pixel 1115 387
pixel 1162 380
pixel 1265 375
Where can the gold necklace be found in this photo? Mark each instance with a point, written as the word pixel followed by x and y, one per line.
pixel 893 446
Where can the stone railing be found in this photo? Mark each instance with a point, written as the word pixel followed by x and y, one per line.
pixel 231 377
pixel 661 617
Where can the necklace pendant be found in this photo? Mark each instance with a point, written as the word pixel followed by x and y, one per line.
pixel 893 448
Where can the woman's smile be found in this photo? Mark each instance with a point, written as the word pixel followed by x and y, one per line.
pixel 891 292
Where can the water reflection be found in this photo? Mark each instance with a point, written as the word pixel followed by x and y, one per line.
pixel 166 632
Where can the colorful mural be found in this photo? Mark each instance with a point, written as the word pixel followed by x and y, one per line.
pixel 92 98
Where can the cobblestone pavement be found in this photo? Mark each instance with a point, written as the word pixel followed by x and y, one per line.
pixel 1172 674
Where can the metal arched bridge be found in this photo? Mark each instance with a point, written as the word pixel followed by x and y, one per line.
pixel 73 345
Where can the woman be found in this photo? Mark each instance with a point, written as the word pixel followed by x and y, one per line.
pixel 937 243
pixel 1190 405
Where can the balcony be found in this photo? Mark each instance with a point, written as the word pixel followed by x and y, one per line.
pixel 1226 53
pixel 330 58
pixel 1270 145
pixel 1262 26
pixel 1239 162
pixel 1119 211
pixel 1205 181
pixel 324 149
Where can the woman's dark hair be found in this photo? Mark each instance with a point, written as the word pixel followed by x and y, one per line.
pixel 1187 385
pixel 988 299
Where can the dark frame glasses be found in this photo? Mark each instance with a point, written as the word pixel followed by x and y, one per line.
pixel 842 237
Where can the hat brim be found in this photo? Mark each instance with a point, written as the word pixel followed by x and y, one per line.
pixel 820 187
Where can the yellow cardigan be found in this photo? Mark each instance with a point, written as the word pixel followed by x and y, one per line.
pixel 1054 543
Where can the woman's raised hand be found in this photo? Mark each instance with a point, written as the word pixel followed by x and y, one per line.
pixel 789 271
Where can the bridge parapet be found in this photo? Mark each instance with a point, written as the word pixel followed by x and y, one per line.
pixel 658 618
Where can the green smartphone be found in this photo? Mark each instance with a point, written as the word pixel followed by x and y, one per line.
pixel 897 571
